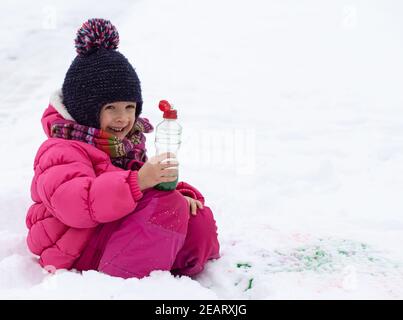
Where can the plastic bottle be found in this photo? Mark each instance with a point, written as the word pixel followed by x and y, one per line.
pixel 168 139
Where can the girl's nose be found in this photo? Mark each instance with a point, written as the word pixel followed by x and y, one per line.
pixel 120 117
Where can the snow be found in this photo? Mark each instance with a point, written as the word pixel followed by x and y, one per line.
pixel 293 131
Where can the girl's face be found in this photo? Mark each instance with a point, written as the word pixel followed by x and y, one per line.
pixel 118 118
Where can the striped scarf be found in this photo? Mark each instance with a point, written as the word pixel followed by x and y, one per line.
pixel 121 152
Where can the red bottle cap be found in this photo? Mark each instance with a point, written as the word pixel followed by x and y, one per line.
pixel 169 113
pixel 164 105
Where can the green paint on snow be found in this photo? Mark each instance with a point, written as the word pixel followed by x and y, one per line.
pixel 243 265
pixel 343 252
pixel 327 255
pixel 249 284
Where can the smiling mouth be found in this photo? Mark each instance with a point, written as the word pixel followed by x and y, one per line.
pixel 116 129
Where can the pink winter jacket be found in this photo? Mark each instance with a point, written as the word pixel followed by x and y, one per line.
pixel 74 189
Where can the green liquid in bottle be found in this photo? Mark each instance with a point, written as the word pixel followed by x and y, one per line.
pixel 167 186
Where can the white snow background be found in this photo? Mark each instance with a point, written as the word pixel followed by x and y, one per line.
pixel 293 131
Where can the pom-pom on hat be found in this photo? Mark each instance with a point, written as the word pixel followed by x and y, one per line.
pixel 99 74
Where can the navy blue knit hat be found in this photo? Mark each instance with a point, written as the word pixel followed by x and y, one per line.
pixel 99 74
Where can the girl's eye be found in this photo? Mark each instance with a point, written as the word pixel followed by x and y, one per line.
pixel 130 107
pixel 109 107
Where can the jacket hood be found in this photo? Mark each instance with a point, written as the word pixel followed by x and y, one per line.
pixel 55 111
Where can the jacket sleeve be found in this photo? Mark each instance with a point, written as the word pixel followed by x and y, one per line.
pixel 190 191
pixel 68 186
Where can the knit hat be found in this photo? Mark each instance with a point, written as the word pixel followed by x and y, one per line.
pixel 99 74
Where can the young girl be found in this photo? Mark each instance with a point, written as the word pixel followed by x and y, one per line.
pixel 95 206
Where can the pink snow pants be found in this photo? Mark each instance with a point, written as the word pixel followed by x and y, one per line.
pixel 160 234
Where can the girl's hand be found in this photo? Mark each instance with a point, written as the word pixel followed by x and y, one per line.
pixel 154 172
pixel 194 204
